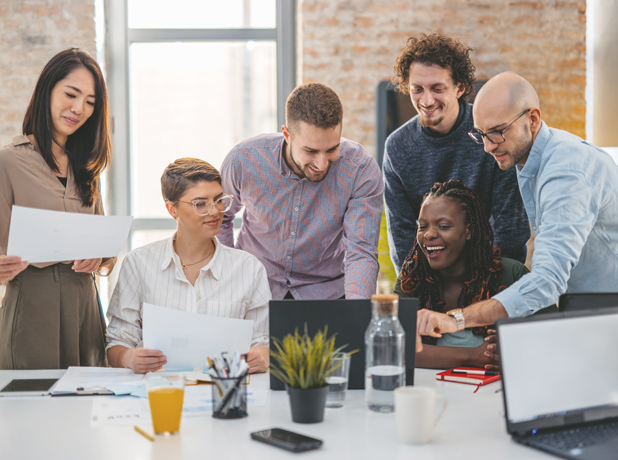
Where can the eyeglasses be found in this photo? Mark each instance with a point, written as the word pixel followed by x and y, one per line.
pixel 203 207
pixel 495 137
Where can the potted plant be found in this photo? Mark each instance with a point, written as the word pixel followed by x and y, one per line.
pixel 303 364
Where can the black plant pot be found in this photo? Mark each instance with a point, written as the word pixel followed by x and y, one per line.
pixel 307 405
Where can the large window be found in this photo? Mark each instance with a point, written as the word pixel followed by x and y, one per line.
pixel 190 78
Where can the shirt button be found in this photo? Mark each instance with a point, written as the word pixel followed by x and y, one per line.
pixel 287 274
pixel 517 311
pixel 289 257
pixel 292 233
pixel 296 208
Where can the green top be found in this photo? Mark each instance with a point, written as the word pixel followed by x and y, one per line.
pixel 512 270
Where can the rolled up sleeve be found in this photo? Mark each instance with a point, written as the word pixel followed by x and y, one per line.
pixel 568 208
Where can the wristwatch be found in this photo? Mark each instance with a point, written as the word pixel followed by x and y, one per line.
pixel 457 313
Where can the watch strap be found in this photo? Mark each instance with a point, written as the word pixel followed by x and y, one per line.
pixel 457 313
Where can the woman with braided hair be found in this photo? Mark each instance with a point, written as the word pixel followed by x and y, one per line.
pixel 453 264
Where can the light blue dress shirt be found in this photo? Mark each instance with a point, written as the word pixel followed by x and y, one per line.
pixel 570 191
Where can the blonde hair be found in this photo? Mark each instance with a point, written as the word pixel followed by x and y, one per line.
pixel 184 172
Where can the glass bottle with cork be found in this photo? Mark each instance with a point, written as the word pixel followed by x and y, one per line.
pixel 385 367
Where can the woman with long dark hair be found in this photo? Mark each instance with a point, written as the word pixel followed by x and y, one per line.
pixel 453 264
pixel 50 316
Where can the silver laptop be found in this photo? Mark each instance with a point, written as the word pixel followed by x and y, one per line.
pixel 560 381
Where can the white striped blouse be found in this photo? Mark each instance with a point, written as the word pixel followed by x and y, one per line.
pixel 233 285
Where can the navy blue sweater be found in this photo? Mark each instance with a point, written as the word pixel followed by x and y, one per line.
pixel 414 161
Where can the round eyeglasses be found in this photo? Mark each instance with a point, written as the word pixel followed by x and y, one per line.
pixel 495 137
pixel 203 207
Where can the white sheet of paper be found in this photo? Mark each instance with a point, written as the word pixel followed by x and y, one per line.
pixel 92 378
pixel 120 411
pixel 186 339
pixel 129 410
pixel 39 235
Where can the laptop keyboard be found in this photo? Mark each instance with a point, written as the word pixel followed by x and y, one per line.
pixel 575 438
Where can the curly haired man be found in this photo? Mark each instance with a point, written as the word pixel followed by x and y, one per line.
pixel 436 71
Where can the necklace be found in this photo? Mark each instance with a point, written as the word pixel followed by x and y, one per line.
pixel 195 263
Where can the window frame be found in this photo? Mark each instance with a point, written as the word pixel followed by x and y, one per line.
pixel 120 38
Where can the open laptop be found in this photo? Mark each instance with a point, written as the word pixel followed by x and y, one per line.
pixel 349 320
pixel 587 300
pixel 560 381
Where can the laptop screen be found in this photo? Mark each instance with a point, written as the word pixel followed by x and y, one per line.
pixel 560 369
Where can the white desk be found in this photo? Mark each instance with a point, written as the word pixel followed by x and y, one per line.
pixel 48 428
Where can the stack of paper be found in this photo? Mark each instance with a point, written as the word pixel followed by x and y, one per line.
pixel 94 380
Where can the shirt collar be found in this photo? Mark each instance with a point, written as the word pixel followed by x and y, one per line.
pixel 214 265
pixel 21 140
pixel 284 168
pixel 533 163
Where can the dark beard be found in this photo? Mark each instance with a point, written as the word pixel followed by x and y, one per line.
pixel 424 123
pixel 303 169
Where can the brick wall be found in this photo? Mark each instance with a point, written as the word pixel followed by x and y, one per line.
pixel 31 32
pixel 351 45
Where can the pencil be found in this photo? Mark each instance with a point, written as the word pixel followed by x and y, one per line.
pixel 143 433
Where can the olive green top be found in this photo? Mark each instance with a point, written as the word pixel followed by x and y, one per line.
pixel 512 270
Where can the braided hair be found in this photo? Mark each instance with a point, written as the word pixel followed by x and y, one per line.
pixel 484 269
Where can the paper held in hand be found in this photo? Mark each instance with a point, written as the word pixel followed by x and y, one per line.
pixel 39 236
pixel 186 339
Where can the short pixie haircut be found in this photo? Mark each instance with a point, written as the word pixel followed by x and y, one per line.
pixel 439 50
pixel 182 174
pixel 315 104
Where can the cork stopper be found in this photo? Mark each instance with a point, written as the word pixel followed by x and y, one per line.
pixel 385 304
pixel 384 297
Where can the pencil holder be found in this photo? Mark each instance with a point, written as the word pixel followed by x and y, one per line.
pixel 229 397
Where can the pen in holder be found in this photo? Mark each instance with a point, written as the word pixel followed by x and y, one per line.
pixel 229 397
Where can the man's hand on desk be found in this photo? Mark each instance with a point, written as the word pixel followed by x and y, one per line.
pixel 478 314
pixel 434 324
pixel 143 360
pixel 258 359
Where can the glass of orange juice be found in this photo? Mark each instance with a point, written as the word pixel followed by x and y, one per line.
pixel 165 395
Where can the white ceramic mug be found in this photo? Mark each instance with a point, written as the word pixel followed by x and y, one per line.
pixel 415 412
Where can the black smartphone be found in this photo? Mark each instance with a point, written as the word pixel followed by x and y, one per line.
pixel 287 440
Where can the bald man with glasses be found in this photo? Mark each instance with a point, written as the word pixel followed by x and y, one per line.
pixel 570 190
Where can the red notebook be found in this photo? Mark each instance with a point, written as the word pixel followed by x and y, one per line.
pixel 472 379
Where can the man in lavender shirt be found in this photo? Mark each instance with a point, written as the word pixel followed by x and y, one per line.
pixel 313 202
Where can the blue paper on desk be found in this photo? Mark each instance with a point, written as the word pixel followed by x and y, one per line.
pixel 138 391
